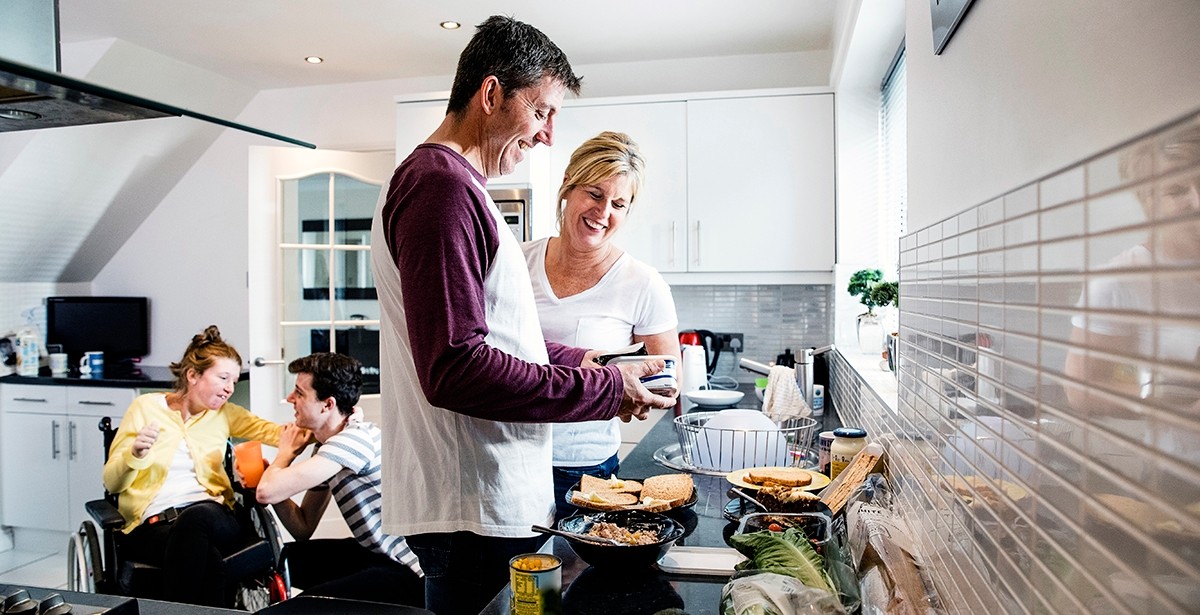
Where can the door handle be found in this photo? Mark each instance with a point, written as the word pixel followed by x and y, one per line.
pixel 671 249
pixel 697 242
pixel 54 440
pixel 71 440
pixel 85 402
pixel 259 362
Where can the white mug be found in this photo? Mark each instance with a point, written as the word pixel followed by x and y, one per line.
pixel 58 363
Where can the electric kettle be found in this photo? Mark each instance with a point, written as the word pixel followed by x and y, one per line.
pixel 705 339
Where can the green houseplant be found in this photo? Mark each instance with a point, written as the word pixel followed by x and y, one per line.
pixel 872 292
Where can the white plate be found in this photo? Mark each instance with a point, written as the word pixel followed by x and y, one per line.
pixel 714 398
pixel 700 560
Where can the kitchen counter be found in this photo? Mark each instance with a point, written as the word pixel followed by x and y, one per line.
pixel 139 377
pixel 587 589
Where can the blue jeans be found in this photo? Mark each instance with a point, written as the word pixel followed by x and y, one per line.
pixel 464 571
pixel 565 478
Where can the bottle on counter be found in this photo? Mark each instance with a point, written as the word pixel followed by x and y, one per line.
pixel 818 401
pixel 847 441
pixel 29 350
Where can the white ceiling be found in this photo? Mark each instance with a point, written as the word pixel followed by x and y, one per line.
pixel 262 43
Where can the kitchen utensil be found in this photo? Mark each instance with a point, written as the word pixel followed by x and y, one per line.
pixel 570 536
pixel 622 555
pixel 746 496
pixel 728 447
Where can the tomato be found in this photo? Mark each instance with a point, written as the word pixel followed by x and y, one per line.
pixel 775 527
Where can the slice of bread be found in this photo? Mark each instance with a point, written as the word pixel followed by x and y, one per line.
pixel 592 484
pixel 786 477
pixel 675 488
pixel 652 505
pixel 603 500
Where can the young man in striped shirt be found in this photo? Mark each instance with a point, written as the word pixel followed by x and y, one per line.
pixel 371 565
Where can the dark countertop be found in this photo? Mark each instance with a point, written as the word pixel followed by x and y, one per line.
pixel 117 605
pixel 137 377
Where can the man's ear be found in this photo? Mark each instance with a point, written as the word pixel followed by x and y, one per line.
pixel 491 94
pixel 330 403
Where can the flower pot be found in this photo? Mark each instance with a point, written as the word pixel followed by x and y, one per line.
pixel 870 334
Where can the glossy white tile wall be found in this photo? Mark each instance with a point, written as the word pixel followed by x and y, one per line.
pixel 1050 352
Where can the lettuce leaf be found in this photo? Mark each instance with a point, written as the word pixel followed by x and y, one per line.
pixel 785 553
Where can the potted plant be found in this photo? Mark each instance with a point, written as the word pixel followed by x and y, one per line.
pixel 864 284
pixel 887 294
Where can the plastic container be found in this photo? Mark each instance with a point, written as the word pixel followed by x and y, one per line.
pixel 816 526
pixel 30 353
pixel 818 400
pixel 847 441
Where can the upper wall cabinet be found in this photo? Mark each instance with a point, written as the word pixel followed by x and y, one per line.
pixel 760 184
pixel 655 231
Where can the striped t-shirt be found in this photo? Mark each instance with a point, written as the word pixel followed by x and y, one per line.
pixel 356 488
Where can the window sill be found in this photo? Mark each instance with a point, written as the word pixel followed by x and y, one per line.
pixel 881 381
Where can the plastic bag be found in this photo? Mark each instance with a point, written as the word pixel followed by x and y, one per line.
pixel 767 593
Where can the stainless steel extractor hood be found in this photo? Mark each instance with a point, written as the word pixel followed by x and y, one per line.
pixel 32 98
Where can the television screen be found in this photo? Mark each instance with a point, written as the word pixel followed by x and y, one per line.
pixel 118 326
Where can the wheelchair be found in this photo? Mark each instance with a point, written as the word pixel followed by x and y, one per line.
pixel 95 565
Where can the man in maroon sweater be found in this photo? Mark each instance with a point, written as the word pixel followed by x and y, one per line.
pixel 468 382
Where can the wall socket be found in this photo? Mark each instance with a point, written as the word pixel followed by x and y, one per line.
pixel 731 341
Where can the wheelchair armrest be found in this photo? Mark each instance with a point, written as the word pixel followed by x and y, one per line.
pixel 105 514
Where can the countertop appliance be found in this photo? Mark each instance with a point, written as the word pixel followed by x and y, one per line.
pixel 706 339
pixel 514 204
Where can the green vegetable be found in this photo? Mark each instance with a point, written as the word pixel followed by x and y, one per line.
pixel 788 553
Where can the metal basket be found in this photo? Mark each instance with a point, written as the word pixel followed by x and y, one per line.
pixel 724 450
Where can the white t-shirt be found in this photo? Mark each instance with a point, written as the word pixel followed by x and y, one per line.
pixel 632 298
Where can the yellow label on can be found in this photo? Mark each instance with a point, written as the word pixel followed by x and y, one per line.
pixel 536 583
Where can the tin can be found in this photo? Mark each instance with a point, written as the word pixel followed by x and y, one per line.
pixel 662 383
pixel 536 583
pixel 823 455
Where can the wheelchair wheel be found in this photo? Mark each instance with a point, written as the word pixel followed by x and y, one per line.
pixel 268 528
pixel 84 565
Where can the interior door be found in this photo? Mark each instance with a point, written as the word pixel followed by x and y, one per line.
pixel 310 283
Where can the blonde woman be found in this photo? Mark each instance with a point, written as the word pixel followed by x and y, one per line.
pixel 166 464
pixel 591 294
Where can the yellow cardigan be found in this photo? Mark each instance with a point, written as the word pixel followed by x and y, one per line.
pixel 139 480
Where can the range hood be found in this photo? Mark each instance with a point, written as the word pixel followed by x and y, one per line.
pixel 32 98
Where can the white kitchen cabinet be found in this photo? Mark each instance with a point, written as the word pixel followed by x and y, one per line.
pixel 53 451
pixel 655 231
pixel 760 183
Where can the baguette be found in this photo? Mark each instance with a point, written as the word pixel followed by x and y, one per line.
pixel 838 492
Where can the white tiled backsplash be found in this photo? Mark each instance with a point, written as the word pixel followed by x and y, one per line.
pixel 772 317
pixel 1050 343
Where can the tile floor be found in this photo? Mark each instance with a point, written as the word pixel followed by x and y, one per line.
pixel 47 567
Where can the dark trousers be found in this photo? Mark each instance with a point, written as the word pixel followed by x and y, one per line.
pixel 342 568
pixel 464 571
pixel 565 478
pixel 190 551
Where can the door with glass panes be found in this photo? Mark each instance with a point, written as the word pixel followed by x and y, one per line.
pixel 311 287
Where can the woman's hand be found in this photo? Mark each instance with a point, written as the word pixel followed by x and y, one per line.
pixel 294 438
pixel 144 440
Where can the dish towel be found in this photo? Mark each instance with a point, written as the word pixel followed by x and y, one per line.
pixel 782 397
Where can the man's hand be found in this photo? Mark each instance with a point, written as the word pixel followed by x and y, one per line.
pixel 589 359
pixel 636 400
pixel 293 439
pixel 144 440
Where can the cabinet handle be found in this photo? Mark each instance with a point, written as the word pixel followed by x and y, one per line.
pixel 32 399
pixel 671 252
pixel 697 242
pixel 54 439
pixel 85 402
pixel 71 440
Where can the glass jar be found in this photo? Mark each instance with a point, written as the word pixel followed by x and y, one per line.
pixel 847 441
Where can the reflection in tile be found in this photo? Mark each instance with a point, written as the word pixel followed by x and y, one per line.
pixel 1063 256
pixel 1062 188
pixel 1060 291
pixel 1062 222
pixel 1121 250
pixel 1114 211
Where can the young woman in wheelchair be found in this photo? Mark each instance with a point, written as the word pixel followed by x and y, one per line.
pixel 166 464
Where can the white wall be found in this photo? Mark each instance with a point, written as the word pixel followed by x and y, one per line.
pixel 1026 88
pixel 189 255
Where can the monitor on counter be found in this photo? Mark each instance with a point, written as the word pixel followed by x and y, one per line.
pixel 118 326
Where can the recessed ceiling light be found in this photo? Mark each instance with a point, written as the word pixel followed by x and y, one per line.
pixel 314 59
pixel 450 25
pixel 18 114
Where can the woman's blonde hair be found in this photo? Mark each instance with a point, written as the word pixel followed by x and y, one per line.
pixel 204 351
pixel 605 155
